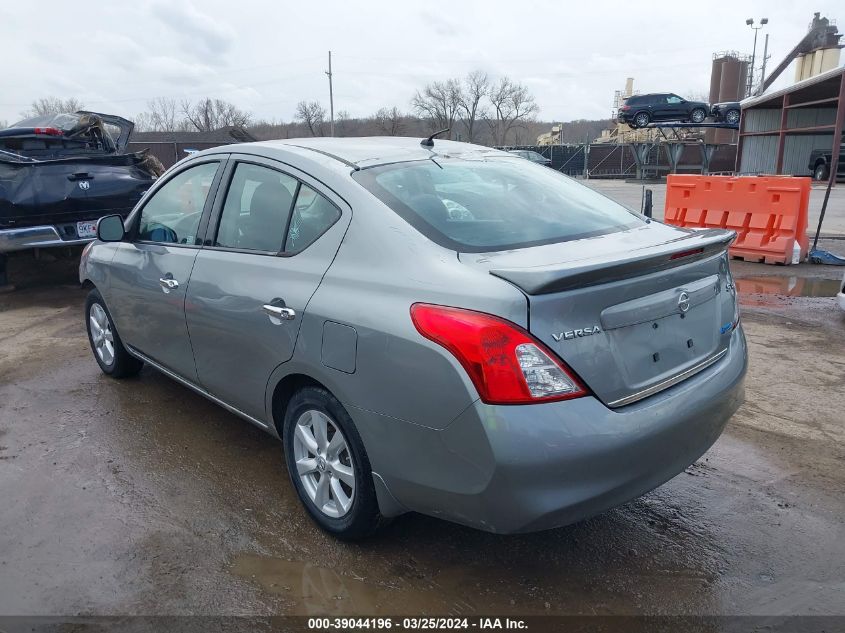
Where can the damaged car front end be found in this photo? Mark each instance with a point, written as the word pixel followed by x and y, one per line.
pixel 60 173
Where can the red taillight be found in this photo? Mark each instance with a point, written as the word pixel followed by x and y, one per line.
pixel 625 107
pixel 505 363
pixel 51 131
pixel 680 254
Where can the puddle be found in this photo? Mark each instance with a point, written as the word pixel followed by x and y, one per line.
pixel 315 590
pixel 751 288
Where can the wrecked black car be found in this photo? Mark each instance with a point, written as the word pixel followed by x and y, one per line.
pixel 60 173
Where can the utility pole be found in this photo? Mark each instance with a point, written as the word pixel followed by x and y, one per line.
pixel 331 94
pixel 765 57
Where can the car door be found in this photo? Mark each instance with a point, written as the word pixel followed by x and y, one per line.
pixel 273 235
pixel 676 108
pixel 659 108
pixel 150 271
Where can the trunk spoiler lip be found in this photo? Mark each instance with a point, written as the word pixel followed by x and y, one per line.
pixel 549 278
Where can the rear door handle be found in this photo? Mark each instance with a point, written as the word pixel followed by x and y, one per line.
pixel 168 283
pixel 279 312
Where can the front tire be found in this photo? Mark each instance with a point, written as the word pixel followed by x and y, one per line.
pixel 105 342
pixel 698 115
pixel 821 172
pixel 328 465
pixel 732 117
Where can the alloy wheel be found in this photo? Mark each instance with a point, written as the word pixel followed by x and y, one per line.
pixel 101 334
pixel 324 463
pixel 732 117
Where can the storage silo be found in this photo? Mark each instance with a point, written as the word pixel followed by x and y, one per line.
pixel 732 79
pixel 715 78
pixel 715 83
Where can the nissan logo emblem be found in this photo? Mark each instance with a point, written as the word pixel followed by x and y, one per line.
pixel 683 302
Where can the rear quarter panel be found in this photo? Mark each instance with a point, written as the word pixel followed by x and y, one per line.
pixel 383 267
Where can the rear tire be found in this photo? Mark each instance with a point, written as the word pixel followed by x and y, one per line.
pixel 698 115
pixel 331 474
pixel 821 172
pixel 641 119
pixel 105 342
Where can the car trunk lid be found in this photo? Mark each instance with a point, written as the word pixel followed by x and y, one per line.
pixel 632 312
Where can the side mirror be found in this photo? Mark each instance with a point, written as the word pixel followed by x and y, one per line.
pixel 110 229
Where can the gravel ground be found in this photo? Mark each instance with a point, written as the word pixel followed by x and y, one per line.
pixel 141 497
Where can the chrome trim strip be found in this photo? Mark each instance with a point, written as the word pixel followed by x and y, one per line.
pixel 674 380
pixel 35 237
pixel 193 387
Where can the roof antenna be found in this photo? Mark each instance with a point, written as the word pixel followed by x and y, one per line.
pixel 429 142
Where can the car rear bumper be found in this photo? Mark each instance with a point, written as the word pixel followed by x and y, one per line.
pixel 526 468
pixel 24 238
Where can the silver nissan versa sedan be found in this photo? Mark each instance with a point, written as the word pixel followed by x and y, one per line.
pixel 427 326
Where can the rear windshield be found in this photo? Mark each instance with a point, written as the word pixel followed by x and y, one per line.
pixel 64 122
pixel 493 204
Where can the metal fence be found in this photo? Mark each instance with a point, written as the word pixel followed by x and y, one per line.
pixel 612 160
pixel 169 153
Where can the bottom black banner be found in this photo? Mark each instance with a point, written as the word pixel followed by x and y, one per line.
pixel 538 624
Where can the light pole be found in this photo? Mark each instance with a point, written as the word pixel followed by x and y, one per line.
pixel 750 22
pixel 331 94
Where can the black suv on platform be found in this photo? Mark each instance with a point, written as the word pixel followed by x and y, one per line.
pixel 640 110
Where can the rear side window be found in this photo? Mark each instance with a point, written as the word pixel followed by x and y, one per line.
pixel 173 213
pixel 257 209
pixel 493 204
pixel 313 215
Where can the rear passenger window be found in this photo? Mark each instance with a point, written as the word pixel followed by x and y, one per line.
pixel 256 210
pixel 173 213
pixel 313 214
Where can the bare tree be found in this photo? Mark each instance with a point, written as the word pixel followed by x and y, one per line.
pixel 313 115
pixel 476 87
pixel 439 102
pixel 143 122
pixel 512 105
pixel 341 122
pixel 390 121
pixel 211 114
pixel 697 95
pixel 165 116
pixel 52 105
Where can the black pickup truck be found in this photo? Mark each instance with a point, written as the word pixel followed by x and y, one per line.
pixel 821 160
pixel 60 173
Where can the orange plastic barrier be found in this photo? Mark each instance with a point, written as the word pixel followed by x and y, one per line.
pixel 768 213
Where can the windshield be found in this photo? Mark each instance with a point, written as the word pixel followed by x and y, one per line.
pixel 493 204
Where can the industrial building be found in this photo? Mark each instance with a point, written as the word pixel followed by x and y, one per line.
pixel 780 129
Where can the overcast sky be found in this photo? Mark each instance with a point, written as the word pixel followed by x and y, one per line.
pixel 267 56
